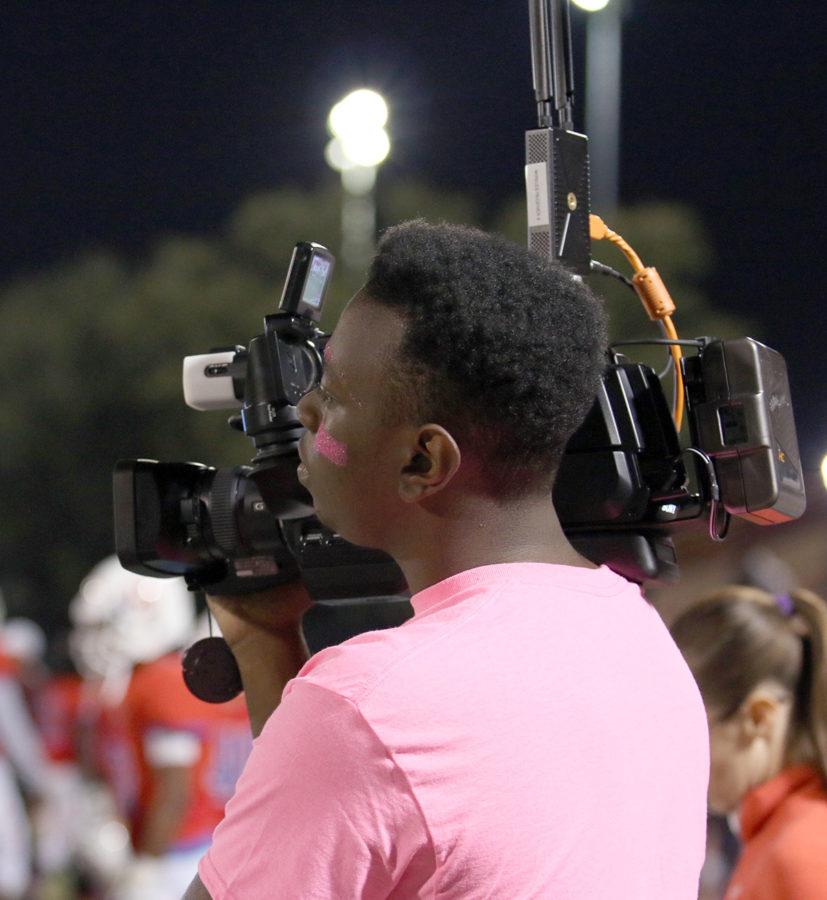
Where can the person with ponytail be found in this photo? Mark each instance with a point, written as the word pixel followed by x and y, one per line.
pixel 759 661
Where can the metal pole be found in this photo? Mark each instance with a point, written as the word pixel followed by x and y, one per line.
pixel 358 216
pixel 603 64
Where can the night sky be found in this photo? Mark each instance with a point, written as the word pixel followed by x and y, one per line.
pixel 126 120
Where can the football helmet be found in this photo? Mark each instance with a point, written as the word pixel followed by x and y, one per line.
pixel 120 619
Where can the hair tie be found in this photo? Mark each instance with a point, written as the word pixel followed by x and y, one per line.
pixel 785 604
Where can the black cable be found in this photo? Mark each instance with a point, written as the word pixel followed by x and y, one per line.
pixel 670 367
pixel 602 269
pixel 719 517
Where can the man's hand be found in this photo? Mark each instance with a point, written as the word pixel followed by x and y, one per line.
pixel 264 632
pixel 252 616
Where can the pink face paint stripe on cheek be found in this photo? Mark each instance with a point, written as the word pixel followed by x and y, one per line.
pixel 327 446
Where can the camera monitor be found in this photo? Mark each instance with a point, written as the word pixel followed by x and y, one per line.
pixel 307 280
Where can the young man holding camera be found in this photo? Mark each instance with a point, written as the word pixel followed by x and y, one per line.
pixel 532 731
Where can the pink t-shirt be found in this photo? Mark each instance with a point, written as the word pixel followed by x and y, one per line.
pixel 531 732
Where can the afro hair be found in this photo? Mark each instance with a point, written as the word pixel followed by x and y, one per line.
pixel 501 347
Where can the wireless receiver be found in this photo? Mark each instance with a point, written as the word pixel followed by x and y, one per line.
pixel 557 157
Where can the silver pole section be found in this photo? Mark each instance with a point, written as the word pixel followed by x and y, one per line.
pixel 603 62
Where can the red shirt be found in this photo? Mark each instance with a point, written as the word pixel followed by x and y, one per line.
pixel 784 829
pixel 8 664
pixel 158 700
pixel 56 711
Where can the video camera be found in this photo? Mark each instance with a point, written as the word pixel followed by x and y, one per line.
pixel 245 527
pixel 624 483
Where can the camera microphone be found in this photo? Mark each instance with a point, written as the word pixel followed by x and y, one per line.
pixel 215 380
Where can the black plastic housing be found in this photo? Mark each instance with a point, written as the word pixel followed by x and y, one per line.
pixel 742 417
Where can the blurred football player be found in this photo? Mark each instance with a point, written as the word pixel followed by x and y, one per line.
pixel 22 760
pixel 171 760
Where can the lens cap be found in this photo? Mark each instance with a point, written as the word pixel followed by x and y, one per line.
pixel 211 672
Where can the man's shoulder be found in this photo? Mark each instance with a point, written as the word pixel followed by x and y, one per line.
pixel 353 667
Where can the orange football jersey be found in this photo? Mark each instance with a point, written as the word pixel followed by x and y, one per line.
pixel 158 702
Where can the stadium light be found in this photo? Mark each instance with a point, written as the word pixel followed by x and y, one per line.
pixel 357 124
pixel 359 144
pixel 591 5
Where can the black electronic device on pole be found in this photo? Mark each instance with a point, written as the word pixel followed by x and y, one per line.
pixel 557 157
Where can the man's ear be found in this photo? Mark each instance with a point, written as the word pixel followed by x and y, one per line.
pixel 434 460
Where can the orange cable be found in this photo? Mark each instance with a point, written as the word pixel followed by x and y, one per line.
pixel 656 301
pixel 675 350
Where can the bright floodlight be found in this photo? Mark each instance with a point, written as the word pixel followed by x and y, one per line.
pixel 357 125
pixel 824 471
pixel 368 147
pixel 591 5
pixel 334 154
pixel 362 109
